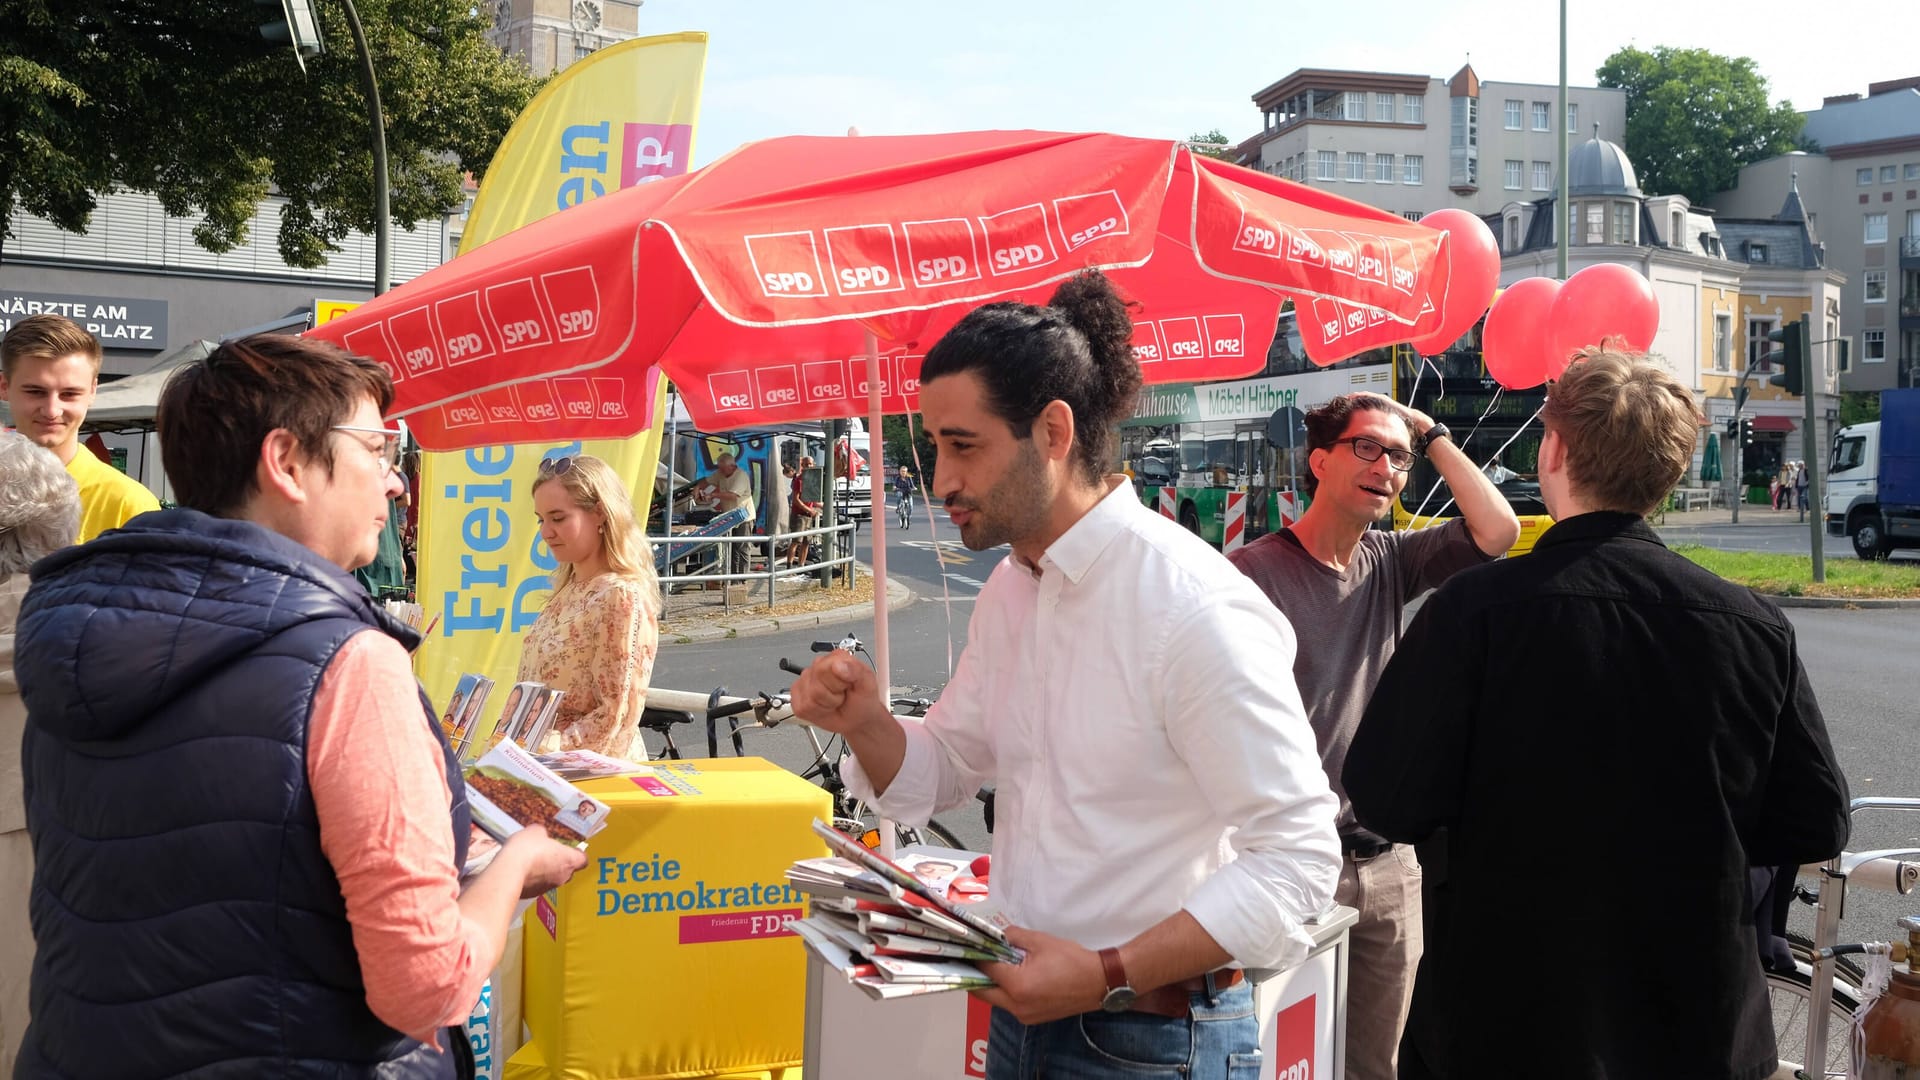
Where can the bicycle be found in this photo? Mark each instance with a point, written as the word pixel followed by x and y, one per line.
pixel 904 505
pixel 1818 961
pixel 850 814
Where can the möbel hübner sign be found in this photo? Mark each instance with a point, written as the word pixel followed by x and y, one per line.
pixel 119 322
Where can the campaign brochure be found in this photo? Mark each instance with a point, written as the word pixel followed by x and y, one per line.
pixel 899 927
pixel 508 789
pixel 463 709
pixel 588 765
pixel 540 717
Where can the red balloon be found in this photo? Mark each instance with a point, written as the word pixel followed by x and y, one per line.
pixel 1604 300
pixel 1475 274
pixel 1514 343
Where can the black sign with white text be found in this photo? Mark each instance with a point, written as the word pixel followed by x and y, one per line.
pixel 119 322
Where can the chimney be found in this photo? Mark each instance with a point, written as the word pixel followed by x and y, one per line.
pixel 1888 87
pixel 1838 99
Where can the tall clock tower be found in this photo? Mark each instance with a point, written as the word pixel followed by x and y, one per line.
pixel 550 34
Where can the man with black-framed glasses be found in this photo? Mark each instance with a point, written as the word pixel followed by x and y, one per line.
pixel 1343 585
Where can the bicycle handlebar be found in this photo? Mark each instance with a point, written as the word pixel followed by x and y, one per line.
pixel 791 668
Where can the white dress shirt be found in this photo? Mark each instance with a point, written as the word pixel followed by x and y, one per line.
pixel 1135 701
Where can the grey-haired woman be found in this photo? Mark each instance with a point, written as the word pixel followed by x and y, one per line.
pixel 39 514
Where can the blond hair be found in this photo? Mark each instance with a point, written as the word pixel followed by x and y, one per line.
pixel 47 337
pixel 593 485
pixel 1629 427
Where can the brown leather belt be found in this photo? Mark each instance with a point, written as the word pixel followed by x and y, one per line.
pixel 1176 999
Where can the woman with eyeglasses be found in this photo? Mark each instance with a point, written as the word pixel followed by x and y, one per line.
pixel 597 636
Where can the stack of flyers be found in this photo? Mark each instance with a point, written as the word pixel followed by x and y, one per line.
pixel 540 716
pixel 463 709
pixel 587 765
pixel 508 789
pixel 912 925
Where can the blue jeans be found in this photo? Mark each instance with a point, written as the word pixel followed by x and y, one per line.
pixel 1219 1041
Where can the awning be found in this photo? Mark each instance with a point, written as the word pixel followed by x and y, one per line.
pixel 1710 460
pixel 1773 423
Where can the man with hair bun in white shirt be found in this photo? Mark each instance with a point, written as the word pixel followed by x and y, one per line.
pixel 1131 694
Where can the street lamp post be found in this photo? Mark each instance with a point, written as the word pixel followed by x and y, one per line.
pixel 382 216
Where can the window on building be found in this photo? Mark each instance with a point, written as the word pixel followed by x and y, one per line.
pixel 1357 167
pixel 1757 343
pixel 1888 173
pixel 1678 236
pixel 1873 346
pixel 1722 342
pixel 1411 167
pixel 1513 115
pixel 1876 232
pixel 1543 176
pixel 1383 108
pixel 1623 220
pixel 1573 118
pixel 1413 109
pixel 1383 168
pixel 1542 116
pixel 1876 282
pixel 1863 177
pixel 1913 170
pixel 1412 215
pixel 1756 251
pixel 1512 176
pixel 1596 224
pixel 1840 358
pixel 1329 166
pixel 1513 232
pixel 1356 106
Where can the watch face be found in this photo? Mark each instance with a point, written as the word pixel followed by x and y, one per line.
pixel 1118 999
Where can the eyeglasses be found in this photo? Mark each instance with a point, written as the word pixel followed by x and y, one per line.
pixel 1369 450
pixel 559 466
pixel 389 452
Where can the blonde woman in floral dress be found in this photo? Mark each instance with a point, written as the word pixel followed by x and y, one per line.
pixel 597 636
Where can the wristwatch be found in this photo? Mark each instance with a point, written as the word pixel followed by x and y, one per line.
pixel 1437 431
pixel 1120 996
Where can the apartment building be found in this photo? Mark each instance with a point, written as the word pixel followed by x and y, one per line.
pixel 1861 193
pixel 1413 143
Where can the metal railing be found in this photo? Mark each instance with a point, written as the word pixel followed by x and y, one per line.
pixel 1910 247
pixel 712 562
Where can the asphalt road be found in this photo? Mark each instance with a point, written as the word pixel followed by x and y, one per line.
pixel 1862 664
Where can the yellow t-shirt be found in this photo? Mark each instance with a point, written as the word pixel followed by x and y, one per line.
pixel 108 497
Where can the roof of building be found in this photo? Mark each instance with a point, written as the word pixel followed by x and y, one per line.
pixel 1598 167
pixel 1892 115
pixel 1786 244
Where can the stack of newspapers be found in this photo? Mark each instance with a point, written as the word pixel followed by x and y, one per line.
pixel 913 925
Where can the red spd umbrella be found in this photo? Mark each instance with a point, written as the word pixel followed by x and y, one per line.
pixel 755 281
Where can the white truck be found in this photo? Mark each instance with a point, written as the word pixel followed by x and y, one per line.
pixel 1873 479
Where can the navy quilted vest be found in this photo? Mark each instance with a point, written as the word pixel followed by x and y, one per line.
pixel 186 919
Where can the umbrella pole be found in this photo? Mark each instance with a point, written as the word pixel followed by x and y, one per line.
pixel 876 461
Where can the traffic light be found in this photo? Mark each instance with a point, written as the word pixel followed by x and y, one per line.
pixel 1791 356
pixel 1733 428
pixel 298 25
pixel 1746 431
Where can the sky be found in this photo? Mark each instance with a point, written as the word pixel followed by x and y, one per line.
pixel 1172 70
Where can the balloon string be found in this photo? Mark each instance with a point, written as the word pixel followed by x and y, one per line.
pixel 1438 374
pixel 1497 453
pixel 939 553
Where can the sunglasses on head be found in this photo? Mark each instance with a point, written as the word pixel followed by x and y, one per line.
pixel 559 466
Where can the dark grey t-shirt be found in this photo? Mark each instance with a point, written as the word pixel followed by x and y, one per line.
pixel 1347 623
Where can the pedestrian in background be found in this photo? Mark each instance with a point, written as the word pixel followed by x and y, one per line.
pixel 39 514
pixel 1602 703
pixel 597 636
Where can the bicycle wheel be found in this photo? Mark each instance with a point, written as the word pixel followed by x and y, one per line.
pixel 938 835
pixel 1789 995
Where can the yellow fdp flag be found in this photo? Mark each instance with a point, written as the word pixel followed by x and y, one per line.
pixel 622 116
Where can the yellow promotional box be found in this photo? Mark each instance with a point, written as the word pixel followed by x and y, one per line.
pixel 667 955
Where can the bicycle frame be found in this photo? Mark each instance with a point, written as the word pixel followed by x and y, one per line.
pixel 1887 870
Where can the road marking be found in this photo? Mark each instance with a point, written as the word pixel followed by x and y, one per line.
pixel 965 580
pixel 949 550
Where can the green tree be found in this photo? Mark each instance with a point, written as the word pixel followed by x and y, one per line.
pixel 184 99
pixel 1695 117
pixel 1859 406
pixel 899 450
pixel 1213 144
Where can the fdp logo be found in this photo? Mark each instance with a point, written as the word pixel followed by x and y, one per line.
pixel 731 390
pixel 1086 218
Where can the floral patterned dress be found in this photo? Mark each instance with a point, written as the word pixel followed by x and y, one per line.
pixel 595 640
